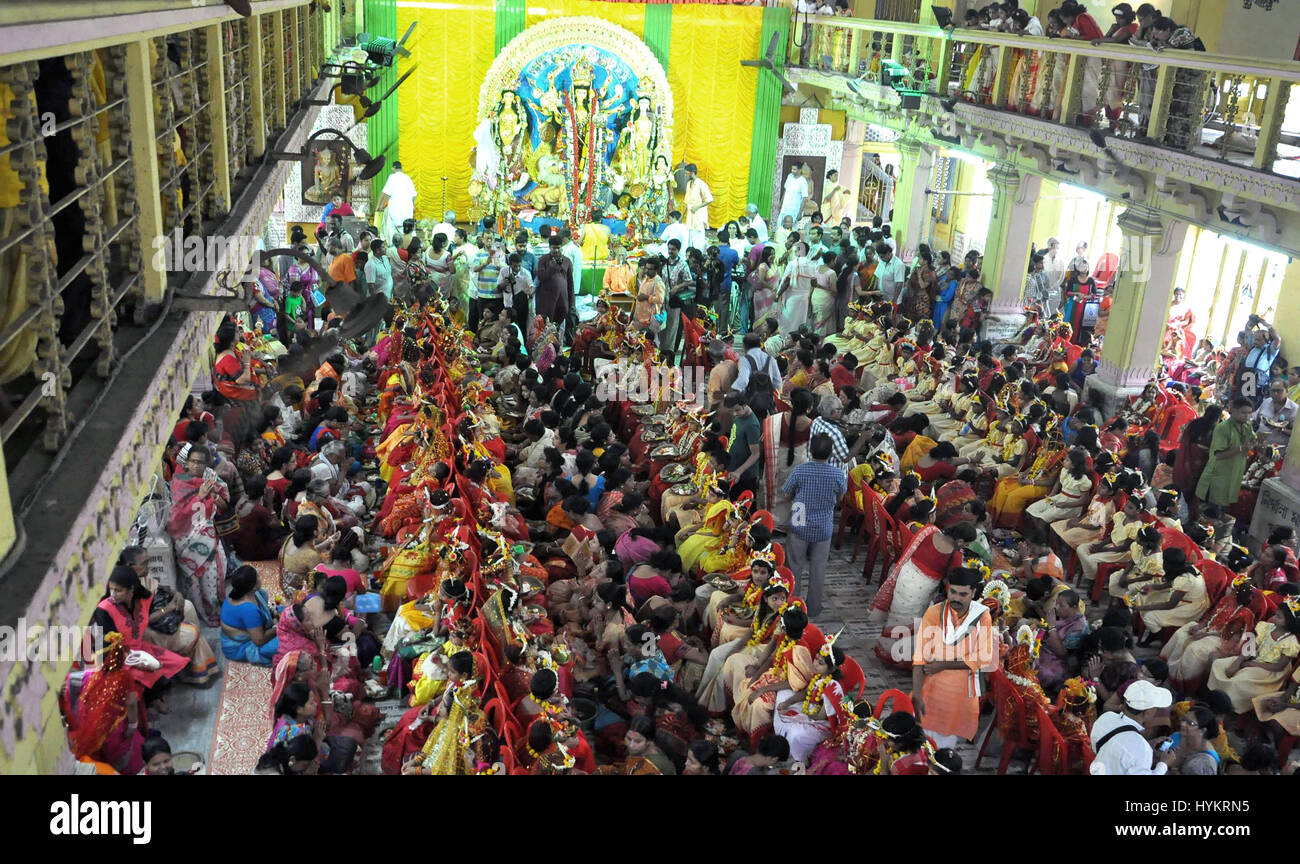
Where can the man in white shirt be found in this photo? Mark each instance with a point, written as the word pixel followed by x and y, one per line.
pixel 675 230
pixel 379 270
pixel 796 190
pixel 516 288
pixel 396 202
pixel 1117 737
pixel 757 222
pixel 891 274
pixel 697 199
pixel 1054 263
pixel 447 226
pixel 573 252
pixel 783 231
pixel 1275 418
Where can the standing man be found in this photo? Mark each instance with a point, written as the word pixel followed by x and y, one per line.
pixel 697 199
pixel 722 374
pixel 758 223
pixel 675 230
pixel 1230 446
pixel 554 283
pixel 446 226
pixel 678 278
pixel 728 258
pixel 795 190
pixel 1118 738
pixel 396 202
pixel 891 274
pixel 516 287
pixel 526 258
pixel 783 231
pixel 1054 263
pixel 1039 289
pixel 954 643
pixel 379 269
pixel 486 302
pixel 744 446
pixel 464 255
pixel 1276 417
pixel 1256 367
pixel 573 252
pixel 815 488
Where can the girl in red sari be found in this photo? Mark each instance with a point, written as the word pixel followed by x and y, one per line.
pixel 105 724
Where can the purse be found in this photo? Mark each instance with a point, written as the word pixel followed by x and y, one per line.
pixel 170 622
pixel 226 522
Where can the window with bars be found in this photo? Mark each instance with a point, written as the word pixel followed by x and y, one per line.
pixel 946 176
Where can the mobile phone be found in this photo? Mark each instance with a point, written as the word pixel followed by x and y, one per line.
pixel 209 474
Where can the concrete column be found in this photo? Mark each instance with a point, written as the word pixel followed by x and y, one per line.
pixel 855 131
pixel 1141 292
pixel 911 205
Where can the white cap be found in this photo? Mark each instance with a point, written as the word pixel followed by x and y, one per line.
pixel 1142 695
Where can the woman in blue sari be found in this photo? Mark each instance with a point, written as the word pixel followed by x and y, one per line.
pixel 266 299
pixel 247 625
pixel 947 291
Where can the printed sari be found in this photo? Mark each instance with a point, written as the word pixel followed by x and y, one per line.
pixel 200 557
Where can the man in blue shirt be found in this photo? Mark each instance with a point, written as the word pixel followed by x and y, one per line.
pixel 816 488
pixel 729 258
pixel 1256 367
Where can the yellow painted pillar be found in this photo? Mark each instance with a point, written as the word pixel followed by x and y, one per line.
pixel 8 531
pixel 257 89
pixel 144 158
pixel 1011 222
pixel 277 68
pixel 911 204
pixel 1142 290
pixel 217 114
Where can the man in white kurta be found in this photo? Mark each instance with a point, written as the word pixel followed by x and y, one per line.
pixel 758 223
pixel 697 199
pixel 397 201
pixel 796 190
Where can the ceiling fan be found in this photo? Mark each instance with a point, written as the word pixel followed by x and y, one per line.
pixel 769 63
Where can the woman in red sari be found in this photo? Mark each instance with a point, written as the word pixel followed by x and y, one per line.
pixel 232 372
pixel 125 610
pixel 197 495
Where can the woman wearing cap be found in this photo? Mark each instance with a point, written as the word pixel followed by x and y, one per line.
pixel 1276 648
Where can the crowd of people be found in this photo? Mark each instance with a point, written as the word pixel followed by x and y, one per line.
pixel 453 510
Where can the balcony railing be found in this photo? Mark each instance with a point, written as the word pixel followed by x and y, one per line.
pixel 1211 105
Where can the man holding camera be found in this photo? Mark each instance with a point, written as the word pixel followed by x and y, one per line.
pixel 1255 368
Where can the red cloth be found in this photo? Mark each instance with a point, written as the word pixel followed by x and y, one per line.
pixel 842 376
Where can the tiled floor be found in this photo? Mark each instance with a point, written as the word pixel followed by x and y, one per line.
pixel 846 604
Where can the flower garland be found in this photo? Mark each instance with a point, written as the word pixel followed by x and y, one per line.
pixel 760 636
pixel 812 700
pixel 783 654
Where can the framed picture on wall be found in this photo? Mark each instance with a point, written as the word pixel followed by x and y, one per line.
pixel 325 172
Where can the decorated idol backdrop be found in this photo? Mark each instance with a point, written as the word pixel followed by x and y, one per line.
pixel 574 118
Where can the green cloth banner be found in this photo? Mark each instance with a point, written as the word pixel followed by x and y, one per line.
pixel 511 18
pixel 381 129
pixel 767 110
pixel 658 30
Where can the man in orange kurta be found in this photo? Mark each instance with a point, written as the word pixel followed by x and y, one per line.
pixel 953 644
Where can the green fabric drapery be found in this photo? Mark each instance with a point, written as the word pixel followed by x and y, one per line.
pixel 381 129
pixel 658 30
pixel 767 111
pixel 511 18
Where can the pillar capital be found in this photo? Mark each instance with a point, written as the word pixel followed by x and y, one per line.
pixel 1004 177
pixel 1139 220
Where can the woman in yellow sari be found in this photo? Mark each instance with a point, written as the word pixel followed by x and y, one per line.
pixel 1014 495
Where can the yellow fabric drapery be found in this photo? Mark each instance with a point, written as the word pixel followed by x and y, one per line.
pixel 438 107
pixel 713 98
pixel 713 95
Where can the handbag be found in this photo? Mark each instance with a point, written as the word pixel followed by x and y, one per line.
pixel 226 522
pixel 171 622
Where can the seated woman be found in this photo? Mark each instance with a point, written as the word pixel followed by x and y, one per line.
pixel 1178 598
pixel 247 623
pixel 173 622
pixel 105 723
pixel 643 754
pixel 304 550
pixel 809 716
pixel 1195 645
pixel 653 578
pixel 1147 563
pixel 771 757
pixel 939 464
pixel 297 713
pixel 1245 679
pixel 1013 496
pixel 126 609
pixel 710 536
pixel 984 433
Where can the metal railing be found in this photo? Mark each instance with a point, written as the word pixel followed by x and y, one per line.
pixel 1214 105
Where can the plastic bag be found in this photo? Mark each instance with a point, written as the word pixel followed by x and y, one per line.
pixel 151 533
